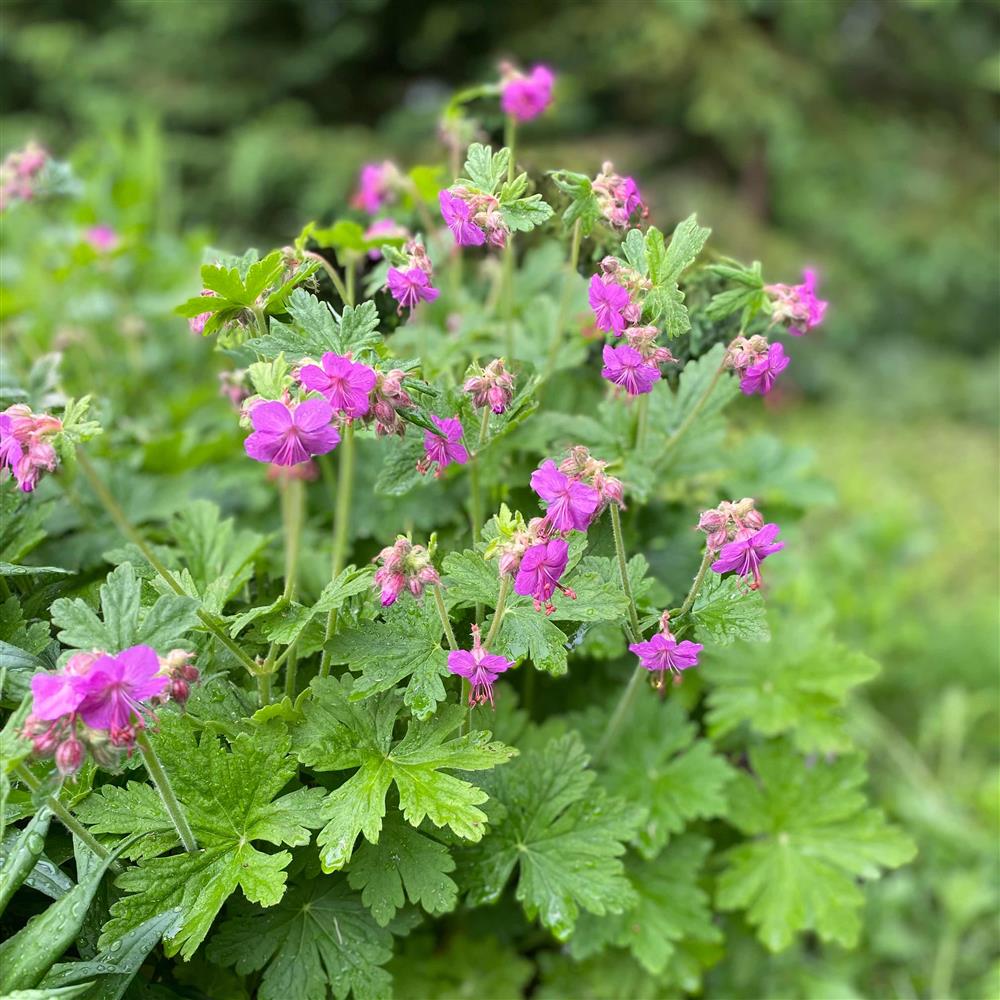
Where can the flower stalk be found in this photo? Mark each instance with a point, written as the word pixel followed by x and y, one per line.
pixel 567 287
pixel 174 809
pixel 633 614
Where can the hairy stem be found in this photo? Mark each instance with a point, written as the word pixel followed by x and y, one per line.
pixel 212 622
pixel 505 582
pixel 341 526
pixel 476 499
pixel 443 615
pixel 174 809
pixel 699 579
pixel 633 614
pixel 64 816
pixel 567 287
pixel 641 415
pixel 510 141
pixel 695 410
pixel 619 715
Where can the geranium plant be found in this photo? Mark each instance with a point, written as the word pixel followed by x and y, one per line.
pixel 491 693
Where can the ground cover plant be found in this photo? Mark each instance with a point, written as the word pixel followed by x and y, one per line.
pixel 439 647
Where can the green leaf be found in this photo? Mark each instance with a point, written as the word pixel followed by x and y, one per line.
pixel 686 243
pixel 340 733
pixel 485 169
pixel 9 569
pixel 229 799
pixel 563 835
pixel 406 644
pixel 797 684
pixel 525 214
pixel 670 907
pixel 658 763
pixel 124 621
pixel 403 859
pixel 583 206
pixel 316 329
pixel 726 610
pixel 813 837
pixel 319 940
pixel 634 249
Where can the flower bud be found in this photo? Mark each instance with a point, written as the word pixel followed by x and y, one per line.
pixel 69 756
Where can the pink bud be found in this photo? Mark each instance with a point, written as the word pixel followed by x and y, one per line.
pixel 179 691
pixel 69 756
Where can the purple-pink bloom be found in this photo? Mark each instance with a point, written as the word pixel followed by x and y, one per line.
pixel 799 305
pixel 479 667
pixel 54 695
pixel 457 213
pixel 410 287
pixel 287 435
pixel 375 184
pixel 345 384
pixel 539 572
pixel 664 652
pixel 11 451
pixel 526 97
pixel 386 228
pixel 608 301
pixel 102 238
pixel 626 367
pixel 744 555
pixel 761 375
pixel 570 503
pixel 116 686
pixel 443 450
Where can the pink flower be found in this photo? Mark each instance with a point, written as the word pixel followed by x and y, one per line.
pixel 387 229
pixel 288 435
pixel 569 503
pixel 539 572
pixel 761 375
pixel 388 399
pixel 479 667
pixel 609 302
pixel 345 384
pixel 526 97
pixel 376 184
pixel 410 287
pixel 405 566
pixel 10 448
pixel 744 555
pixel 25 444
pixel 625 367
pixel 196 324
pixel 54 695
pixel 443 450
pixel 799 305
pixel 663 652
pixel 457 214
pixel 116 686
pixel 102 238
pixel 618 197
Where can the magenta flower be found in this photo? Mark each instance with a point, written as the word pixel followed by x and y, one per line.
pixel 287 435
pixel 376 183
pixel 102 238
pixel 345 384
pixel 609 302
pixel 569 503
pixel 762 374
pixel 410 287
pixel 539 572
pixel 11 451
pixel 526 97
pixel 744 555
pixel 458 213
pixel 404 566
pixel 387 229
pixel 663 652
pixel 479 667
pixel 799 305
pixel 25 444
pixel 54 695
pixel 625 367
pixel 116 686
pixel 443 450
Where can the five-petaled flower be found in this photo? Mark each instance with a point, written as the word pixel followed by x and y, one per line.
pixel 113 690
pixel 442 451
pixel 626 367
pixel 762 374
pixel 410 286
pixel 286 434
pixel 539 571
pixel 744 555
pixel 479 667
pixel 609 300
pixel 798 305
pixel 526 96
pixel 458 216
pixel 663 653
pixel 571 504
pixel 345 384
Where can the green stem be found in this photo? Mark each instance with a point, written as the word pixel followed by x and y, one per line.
pixel 214 624
pixel 291 672
pixel 619 715
pixel 349 273
pixel 505 582
pixel 174 809
pixel 443 615
pixel 64 816
pixel 261 318
pixel 641 413
pixel 510 141
pixel 567 287
pixel 341 527
pixel 264 684
pixel 706 559
pixel 476 505
pixel 331 273
pixel 633 614
pixel 695 410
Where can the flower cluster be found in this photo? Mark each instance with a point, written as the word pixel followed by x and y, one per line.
pixel 736 532
pixel 473 217
pixel 618 198
pixel 378 184
pixel 479 667
pixel 445 448
pixel 731 519
pixel 662 653
pixel 616 296
pixel 757 363
pixel 19 174
pixel 797 305
pixel 26 446
pixel 98 702
pixel 492 386
pixel 411 283
pixel 404 566
pixel 525 96
pixel 389 399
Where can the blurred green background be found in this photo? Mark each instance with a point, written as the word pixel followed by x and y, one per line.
pixel 858 136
